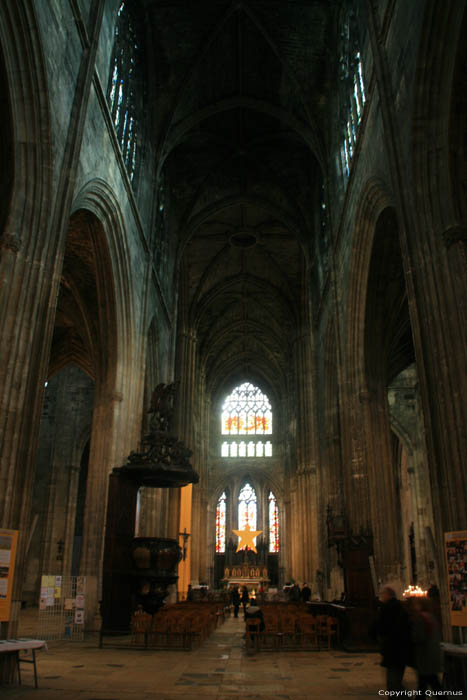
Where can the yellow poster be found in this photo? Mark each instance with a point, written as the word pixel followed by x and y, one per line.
pixel 8 545
pixel 456 560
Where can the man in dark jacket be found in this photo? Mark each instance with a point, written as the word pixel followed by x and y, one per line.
pixel 235 600
pixel 392 628
pixel 305 593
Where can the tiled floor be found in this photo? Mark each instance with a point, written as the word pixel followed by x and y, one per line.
pixel 221 669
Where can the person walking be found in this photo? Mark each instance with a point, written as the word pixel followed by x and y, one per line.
pixel 392 629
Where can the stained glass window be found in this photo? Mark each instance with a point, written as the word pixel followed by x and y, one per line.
pixel 273 524
pixel 246 412
pixel 220 524
pixel 354 95
pixel 247 509
pixel 125 86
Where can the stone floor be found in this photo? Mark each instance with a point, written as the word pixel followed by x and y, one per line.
pixel 221 669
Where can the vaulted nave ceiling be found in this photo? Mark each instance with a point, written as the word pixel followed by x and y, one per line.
pixel 241 97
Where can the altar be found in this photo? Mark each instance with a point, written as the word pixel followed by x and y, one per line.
pixel 246 574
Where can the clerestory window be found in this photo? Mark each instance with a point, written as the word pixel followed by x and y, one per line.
pixel 353 91
pixel 246 421
pixel 124 94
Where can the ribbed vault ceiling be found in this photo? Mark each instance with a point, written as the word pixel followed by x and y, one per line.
pixel 240 93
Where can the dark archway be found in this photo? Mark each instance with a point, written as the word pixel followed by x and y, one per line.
pixel 388 349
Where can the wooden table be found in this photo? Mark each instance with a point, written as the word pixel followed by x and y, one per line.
pixel 15 646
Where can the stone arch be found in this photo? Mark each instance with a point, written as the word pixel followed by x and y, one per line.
pixel 97 247
pixel 375 198
pixel 98 198
pixel 380 342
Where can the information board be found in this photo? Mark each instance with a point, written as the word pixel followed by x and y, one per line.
pixel 456 560
pixel 8 545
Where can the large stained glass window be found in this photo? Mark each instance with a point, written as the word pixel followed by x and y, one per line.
pixel 247 509
pixel 220 524
pixel 273 524
pixel 124 93
pixel 246 416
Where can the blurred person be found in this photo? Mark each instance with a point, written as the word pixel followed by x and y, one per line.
pixel 235 596
pixel 392 629
pixel 426 635
pixel 245 597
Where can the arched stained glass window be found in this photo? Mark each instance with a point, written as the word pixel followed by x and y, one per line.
pixel 124 93
pixel 220 524
pixel 247 509
pixel 246 412
pixel 273 524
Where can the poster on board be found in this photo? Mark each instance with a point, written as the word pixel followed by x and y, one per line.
pixel 456 561
pixel 8 545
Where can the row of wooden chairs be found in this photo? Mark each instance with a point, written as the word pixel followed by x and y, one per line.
pixel 289 631
pixel 179 626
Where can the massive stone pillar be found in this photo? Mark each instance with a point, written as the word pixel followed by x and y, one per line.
pixel 186 408
pixel 305 508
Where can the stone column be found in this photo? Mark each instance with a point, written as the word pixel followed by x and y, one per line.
pixel 186 409
pixel 107 450
pixel 305 551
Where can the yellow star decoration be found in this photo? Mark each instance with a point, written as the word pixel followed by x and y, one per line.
pixel 246 538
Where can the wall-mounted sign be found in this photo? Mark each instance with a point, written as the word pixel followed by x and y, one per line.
pixel 8 545
pixel 456 559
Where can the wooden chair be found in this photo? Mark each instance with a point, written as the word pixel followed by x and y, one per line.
pixel 308 633
pixel 140 626
pixel 288 631
pixel 253 635
pixel 271 634
pixel 159 630
pixel 327 630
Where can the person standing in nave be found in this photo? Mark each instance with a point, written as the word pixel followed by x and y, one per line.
pixel 245 598
pixel 305 593
pixel 235 595
pixel 295 593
